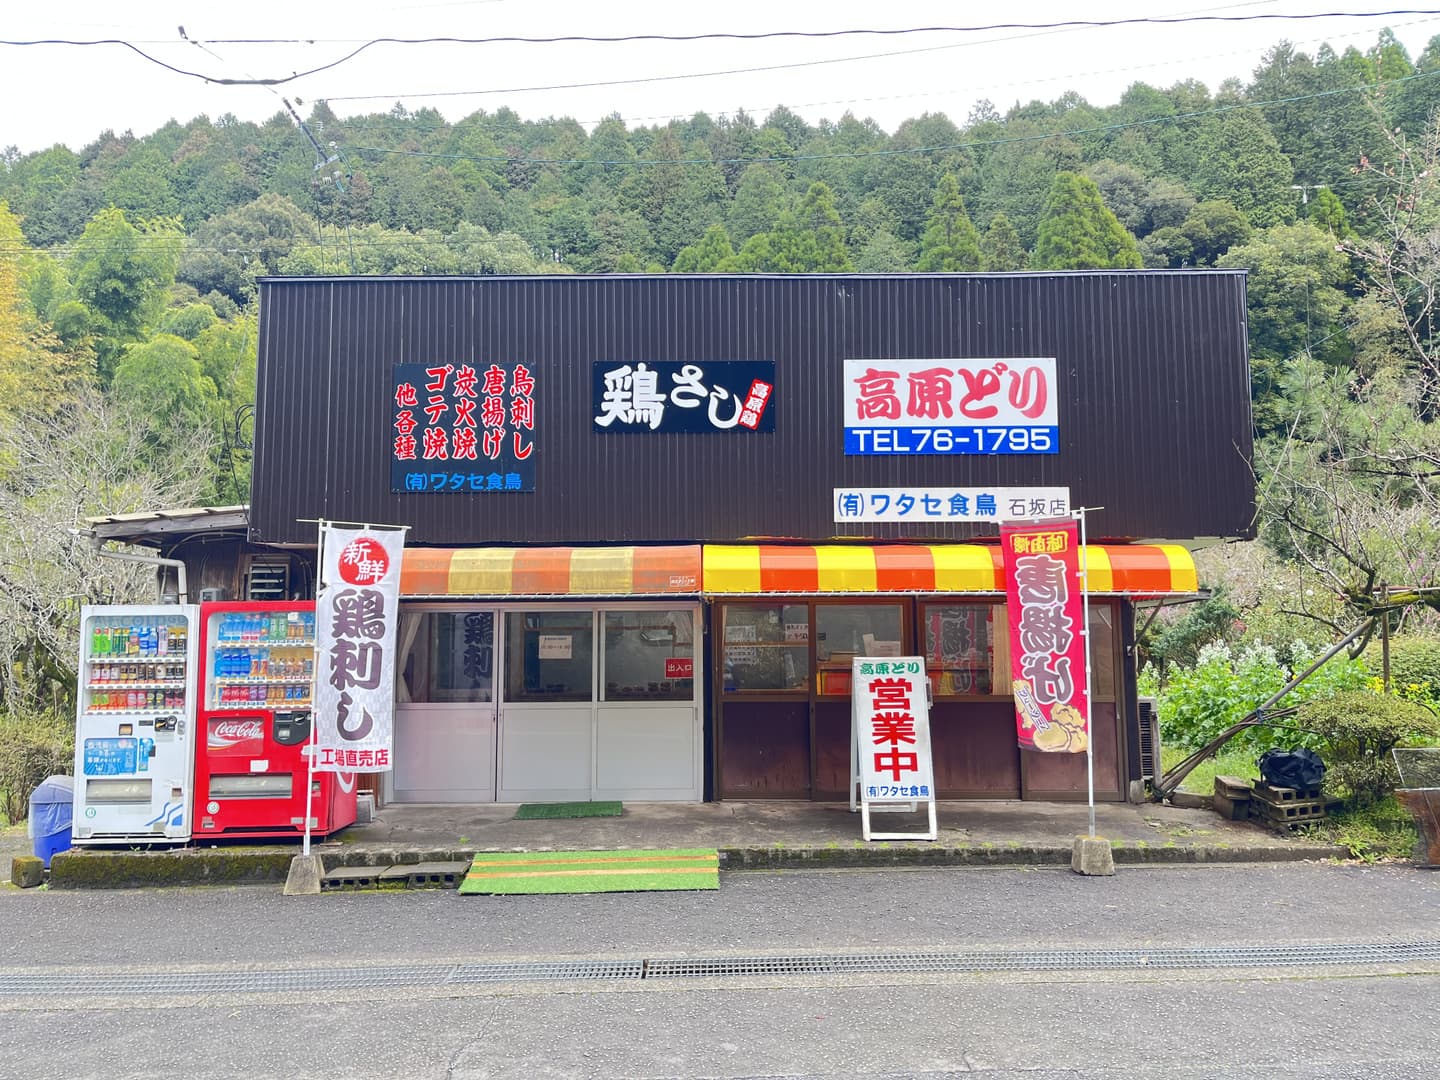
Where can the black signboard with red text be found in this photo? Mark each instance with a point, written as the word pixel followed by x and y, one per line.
pixel 458 427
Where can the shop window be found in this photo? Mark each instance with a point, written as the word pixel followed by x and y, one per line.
pixel 845 631
pixel 649 656
pixel 549 656
pixel 446 656
pixel 960 648
pixel 765 647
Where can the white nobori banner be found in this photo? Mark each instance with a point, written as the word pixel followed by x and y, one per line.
pixel 356 613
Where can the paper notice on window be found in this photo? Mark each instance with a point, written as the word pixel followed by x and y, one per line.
pixel 555 646
pixel 797 633
pixel 886 648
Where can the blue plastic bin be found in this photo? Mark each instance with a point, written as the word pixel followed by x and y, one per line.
pixel 52 815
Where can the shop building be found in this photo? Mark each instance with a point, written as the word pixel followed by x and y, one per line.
pixel 653 518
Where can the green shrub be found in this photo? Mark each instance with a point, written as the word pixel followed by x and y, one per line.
pixel 1414 666
pixel 1359 729
pixel 1199 703
pixel 32 747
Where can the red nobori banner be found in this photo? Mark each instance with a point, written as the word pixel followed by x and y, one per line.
pixel 1047 651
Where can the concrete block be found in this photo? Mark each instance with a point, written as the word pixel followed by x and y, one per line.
pixel 1091 856
pixel 27 871
pixel 304 879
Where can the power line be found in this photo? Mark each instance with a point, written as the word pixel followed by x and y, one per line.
pixel 950 91
pixel 900 151
pixel 1063 24
pixel 764 35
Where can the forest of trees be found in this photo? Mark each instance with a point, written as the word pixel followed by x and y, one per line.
pixel 128 266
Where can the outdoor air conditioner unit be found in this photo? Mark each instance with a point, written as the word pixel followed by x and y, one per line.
pixel 1149 740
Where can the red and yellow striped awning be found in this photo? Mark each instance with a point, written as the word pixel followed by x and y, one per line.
pixel 1122 569
pixel 551 572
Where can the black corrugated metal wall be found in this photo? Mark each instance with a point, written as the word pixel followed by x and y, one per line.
pixel 1152 367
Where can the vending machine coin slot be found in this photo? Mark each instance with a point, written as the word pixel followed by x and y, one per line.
pixel 292 728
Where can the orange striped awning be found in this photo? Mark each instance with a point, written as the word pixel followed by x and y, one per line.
pixel 1120 569
pixel 551 572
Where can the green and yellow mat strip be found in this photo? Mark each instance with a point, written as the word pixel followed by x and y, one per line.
pixel 522 872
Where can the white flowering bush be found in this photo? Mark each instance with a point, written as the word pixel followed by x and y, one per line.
pixel 1226 683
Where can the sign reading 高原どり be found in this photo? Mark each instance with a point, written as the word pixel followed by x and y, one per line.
pixel 1000 406
pixel 458 427
pixel 356 613
pixel 665 396
pixel 1047 650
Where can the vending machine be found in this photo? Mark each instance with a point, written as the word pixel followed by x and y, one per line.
pixel 258 660
pixel 135 724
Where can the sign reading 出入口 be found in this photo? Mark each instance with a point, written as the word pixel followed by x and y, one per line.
pixel 995 406
pixel 666 396
pixel 950 504
pixel 457 427
pixel 356 612
pixel 1047 649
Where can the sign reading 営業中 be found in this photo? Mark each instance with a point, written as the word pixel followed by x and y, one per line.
pixel 950 504
pixel 890 736
pixel 995 406
pixel 458 427
pixel 673 396
pixel 1047 649
pixel 356 613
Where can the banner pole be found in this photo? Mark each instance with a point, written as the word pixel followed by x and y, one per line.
pixel 314 674
pixel 1089 685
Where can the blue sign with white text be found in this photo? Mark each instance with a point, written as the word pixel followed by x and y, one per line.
pixel 110 757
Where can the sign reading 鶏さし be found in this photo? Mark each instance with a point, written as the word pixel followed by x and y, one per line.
pixel 665 396
pixel 356 612
pixel 1047 651
pixel 1000 406
pixel 458 427
pixel 950 504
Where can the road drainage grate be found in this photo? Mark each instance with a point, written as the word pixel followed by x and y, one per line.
pixel 561 971
pixel 974 961
pixel 978 961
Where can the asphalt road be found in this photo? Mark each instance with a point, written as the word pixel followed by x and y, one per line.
pixel 1224 1022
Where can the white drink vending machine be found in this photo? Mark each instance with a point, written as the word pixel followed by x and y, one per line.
pixel 135 724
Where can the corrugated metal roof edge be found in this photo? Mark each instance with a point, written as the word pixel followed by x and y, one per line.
pixel 1140 272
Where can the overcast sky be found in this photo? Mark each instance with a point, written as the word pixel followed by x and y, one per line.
pixel 69 95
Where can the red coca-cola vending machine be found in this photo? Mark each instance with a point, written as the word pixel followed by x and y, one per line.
pixel 257 663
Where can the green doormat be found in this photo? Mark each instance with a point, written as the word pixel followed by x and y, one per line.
pixel 533 810
pixel 515 872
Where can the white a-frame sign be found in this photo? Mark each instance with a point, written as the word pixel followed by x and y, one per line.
pixel 890 766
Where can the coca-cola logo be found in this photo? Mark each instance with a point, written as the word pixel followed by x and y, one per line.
pixel 227 733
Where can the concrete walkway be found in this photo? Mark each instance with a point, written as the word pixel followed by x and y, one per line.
pixel 748 835
pixel 798 825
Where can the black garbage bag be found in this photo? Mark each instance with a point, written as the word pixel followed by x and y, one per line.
pixel 1298 768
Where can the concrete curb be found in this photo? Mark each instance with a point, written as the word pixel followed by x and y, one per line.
pixel 92 869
